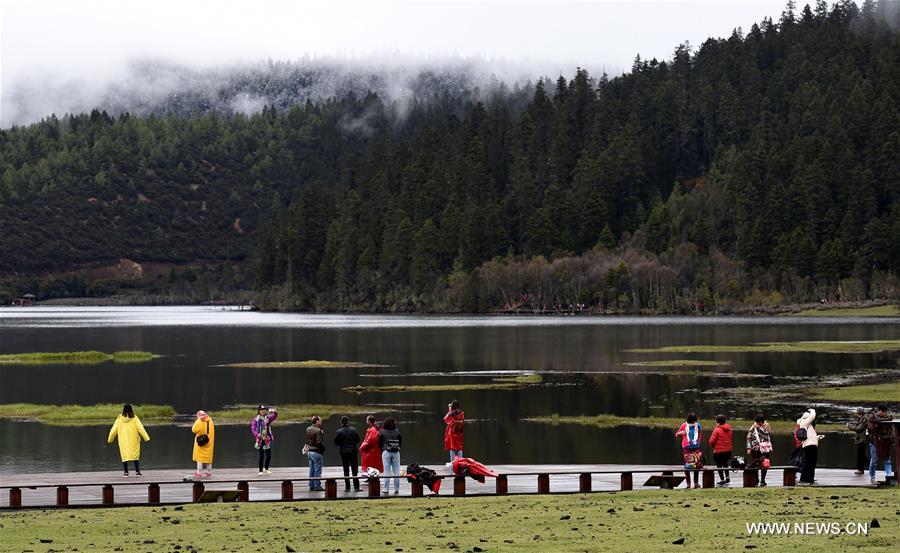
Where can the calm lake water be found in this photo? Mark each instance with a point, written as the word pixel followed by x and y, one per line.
pixel 581 359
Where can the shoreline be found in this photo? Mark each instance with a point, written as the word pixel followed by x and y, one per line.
pixel 875 309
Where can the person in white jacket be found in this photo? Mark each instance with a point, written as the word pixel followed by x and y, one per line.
pixel 810 446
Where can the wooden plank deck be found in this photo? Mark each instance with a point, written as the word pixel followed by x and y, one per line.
pixel 85 488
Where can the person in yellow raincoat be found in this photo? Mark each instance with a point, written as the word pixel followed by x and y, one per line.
pixel 204 441
pixel 129 430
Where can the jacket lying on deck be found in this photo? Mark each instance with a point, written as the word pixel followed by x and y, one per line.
pixel 428 477
pixel 472 468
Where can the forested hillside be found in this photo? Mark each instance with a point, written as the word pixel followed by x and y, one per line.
pixel 757 169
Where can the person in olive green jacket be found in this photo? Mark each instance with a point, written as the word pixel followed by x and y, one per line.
pixel 129 431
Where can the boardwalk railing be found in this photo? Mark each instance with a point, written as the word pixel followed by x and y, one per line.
pixel 542 484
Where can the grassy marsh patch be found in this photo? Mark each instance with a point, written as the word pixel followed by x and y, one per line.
pixel 435 387
pixel 888 392
pixel 84 415
pixel 861 346
pixel 531 378
pixel 291 413
pixel 310 364
pixel 678 363
pixel 638 521
pixel 612 421
pixel 75 357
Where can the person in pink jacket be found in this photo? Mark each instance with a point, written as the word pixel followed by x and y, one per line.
pixel 691 434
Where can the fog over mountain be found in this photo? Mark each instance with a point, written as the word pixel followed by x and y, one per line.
pixel 162 87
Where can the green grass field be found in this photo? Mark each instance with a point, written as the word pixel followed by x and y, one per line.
pixel 75 357
pixel 888 392
pixel 611 421
pixel 874 311
pixel 708 520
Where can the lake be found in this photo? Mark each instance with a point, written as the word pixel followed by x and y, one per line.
pixel 581 359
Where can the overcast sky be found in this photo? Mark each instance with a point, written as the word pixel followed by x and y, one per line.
pixel 92 40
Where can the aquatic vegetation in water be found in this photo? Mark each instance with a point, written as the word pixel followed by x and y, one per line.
pixel 888 392
pixel 678 363
pixel 75 357
pixel 311 364
pixel 84 415
pixel 532 378
pixel 872 346
pixel 292 413
pixel 874 311
pixel 612 421
pixel 436 387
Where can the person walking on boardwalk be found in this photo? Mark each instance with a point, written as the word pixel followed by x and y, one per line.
pixel 369 451
pixel 859 426
pixel 315 451
pixel 204 430
pixel 389 441
pixel 691 434
pixel 453 434
pixel 261 428
pixel 720 442
pixel 759 446
pixel 346 439
pixel 881 442
pixel 810 438
pixel 130 432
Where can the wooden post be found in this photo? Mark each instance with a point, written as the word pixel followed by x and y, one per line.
pixel 626 482
pixel 153 493
pixel 197 491
pixel 543 483
pixel 374 487
pixel 584 482
pixel 244 488
pixel 287 490
pixel 15 497
pixel 709 478
pixel 790 477
pixel 459 485
pixel 502 484
pixel 108 497
pixel 330 488
pixel 749 478
pixel 416 489
pixel 62 496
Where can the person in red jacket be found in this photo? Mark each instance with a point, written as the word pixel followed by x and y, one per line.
pixel 369 452
pixel 453 434
pixel 720 442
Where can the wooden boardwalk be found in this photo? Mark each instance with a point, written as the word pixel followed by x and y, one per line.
pixel 110 487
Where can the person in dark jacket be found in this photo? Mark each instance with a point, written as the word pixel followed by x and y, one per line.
pixel 881 441
pixel 859 426
pixel 315 445
pixel 346 439
pixel 389 441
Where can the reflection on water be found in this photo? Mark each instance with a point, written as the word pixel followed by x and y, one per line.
pixel 582 357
